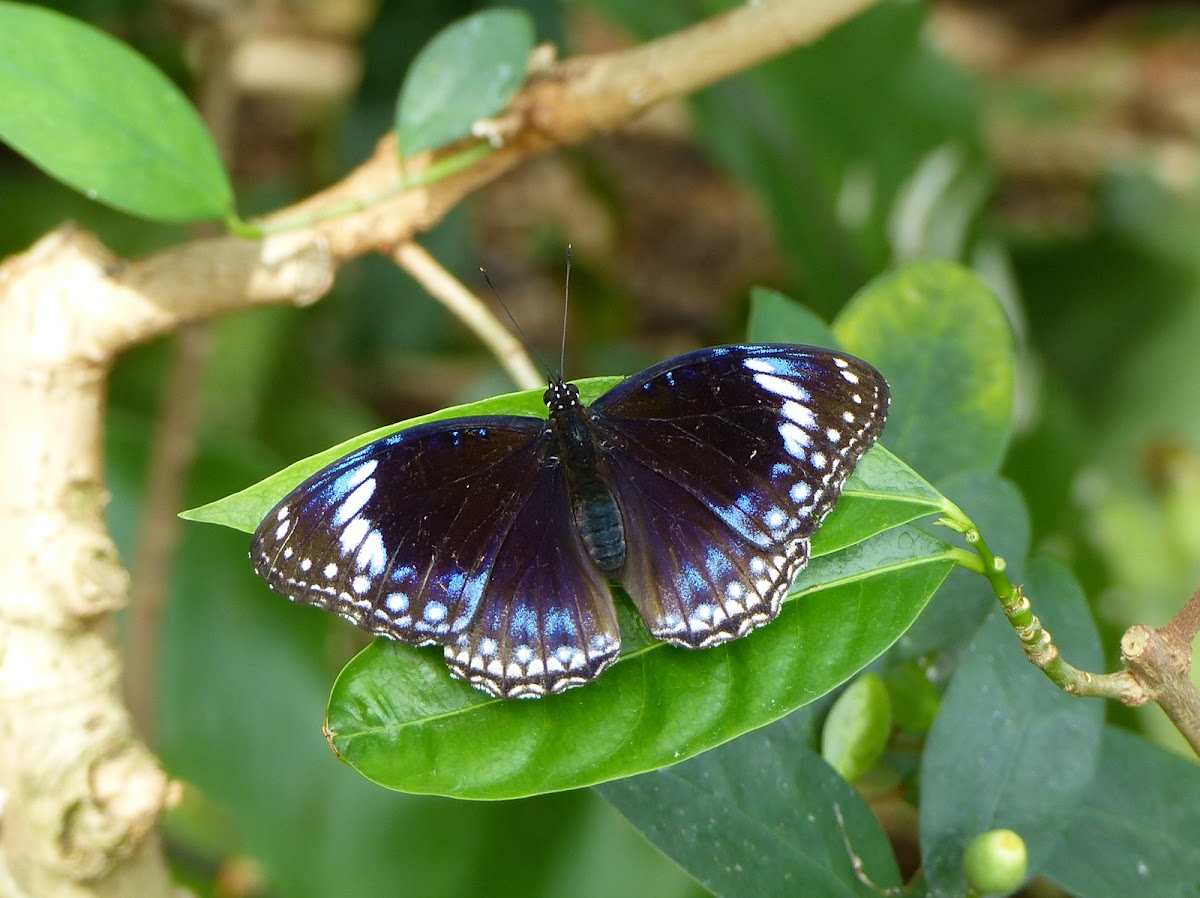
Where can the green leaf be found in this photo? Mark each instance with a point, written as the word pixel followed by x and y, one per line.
pixel 398 717
pixel 1135 833
pixel 91 112
pixel 945 346
pixel 468 71
pixel 1009 748
pixel 756 817
pixel 395 707
pixel 776 318
pixel 914 699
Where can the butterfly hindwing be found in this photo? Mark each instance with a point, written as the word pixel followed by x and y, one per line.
pixel 726 461
pixel 547 621
pixel 425 536
pixel 692 583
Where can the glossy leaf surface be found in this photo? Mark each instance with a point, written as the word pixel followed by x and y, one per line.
pixel 756 817
pixel 398 717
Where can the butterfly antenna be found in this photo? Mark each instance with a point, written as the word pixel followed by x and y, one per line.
pixel 562 354
pixel 528 346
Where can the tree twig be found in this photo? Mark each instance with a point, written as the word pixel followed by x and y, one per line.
pixel 1157 661
pixel 1161 662
pixel 440 283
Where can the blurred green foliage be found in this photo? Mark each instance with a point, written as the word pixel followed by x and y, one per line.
pixel 864 150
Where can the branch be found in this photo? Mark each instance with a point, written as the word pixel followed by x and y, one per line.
pixel 1161 663
pixel 564 104
pixel 471 311
pixel 1157 662
pixel 81 795
pixel 198 280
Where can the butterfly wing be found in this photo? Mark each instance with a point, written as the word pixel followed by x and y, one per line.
pixel 547 620
pixel 442 534
pixel 725 461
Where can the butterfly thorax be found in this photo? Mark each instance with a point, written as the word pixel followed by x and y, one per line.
pixel 597 515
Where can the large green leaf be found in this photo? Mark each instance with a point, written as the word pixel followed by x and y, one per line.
pixel 756 817
pixel 91 112
pixel 1135 833
pixel 945 346
pixel 399 718
pixel 467 72
pixel 1010 749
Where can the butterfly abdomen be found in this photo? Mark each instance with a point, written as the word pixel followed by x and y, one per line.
pixel 598 519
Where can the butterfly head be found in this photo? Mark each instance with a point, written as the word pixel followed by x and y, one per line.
pixel 561 396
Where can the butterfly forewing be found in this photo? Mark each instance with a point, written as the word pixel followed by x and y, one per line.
pixel 396 540
pixel 726 461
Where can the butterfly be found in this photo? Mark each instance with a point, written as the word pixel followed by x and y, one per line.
pixel 696 485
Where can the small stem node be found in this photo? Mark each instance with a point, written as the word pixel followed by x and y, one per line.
pixel 1158 662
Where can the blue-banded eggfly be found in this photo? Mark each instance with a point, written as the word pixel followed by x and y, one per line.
pixel 696 485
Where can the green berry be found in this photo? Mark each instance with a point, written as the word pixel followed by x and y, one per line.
pixel 996 862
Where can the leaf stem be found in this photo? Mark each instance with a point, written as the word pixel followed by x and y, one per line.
pixel 239 227
pixel 435 171
pixel 965 559
pixel 1039 644
pixel 451 292
pixel 1157 661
